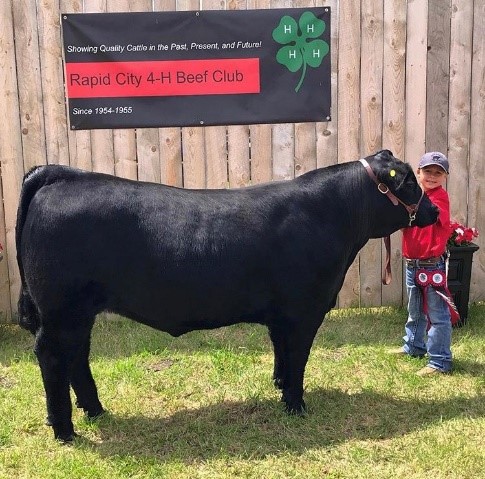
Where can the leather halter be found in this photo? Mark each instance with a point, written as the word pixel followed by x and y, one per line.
pixel 384 189
pixel 411 209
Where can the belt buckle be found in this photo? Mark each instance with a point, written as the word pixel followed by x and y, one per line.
pixel 429 262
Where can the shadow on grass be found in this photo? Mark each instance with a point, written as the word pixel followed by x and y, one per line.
pixel 257 429
pixel 471 368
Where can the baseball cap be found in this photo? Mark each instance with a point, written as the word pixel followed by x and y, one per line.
pixel 434 158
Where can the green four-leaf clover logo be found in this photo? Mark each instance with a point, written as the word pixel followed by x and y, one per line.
pixel 300 52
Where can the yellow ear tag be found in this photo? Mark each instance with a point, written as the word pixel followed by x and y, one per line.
pixel 392 173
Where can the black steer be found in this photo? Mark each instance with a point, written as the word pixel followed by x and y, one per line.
pixel 180 260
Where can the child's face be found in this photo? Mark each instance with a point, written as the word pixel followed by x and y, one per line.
pixel 431 177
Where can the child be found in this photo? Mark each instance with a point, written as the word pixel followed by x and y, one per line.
pixel 425 249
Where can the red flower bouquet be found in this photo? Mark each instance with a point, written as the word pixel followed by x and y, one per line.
pixel 461 235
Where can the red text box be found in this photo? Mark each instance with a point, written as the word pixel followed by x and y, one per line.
pixel 163 78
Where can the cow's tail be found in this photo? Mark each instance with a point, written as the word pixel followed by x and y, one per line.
pixel 28 313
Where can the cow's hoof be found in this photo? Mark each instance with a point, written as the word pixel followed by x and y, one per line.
pixel 296 409
pixel 278 383
pixel 94 414
pixel 64 435
pixel 68 439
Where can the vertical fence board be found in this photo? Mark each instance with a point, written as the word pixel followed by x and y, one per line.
pixel 283 142
pixel 416 53
pixel 193 138
pixel 171 156
pixel 12 168
pixel 170 138
pixel 148 154
pixel 283 136
pixel 326 131
pixel 103 151
pixel 260 135
pixel 215 137
pixel 147 139
pixel 238 153
pixel 371 134
pixel 29 83
pixel 438 75
pixel 238 156
pixel 124 140
pixel 56 133
pixel 5 310
pixel 80 150
pixel 124 151
pixel 349 117
pixel 102 145
pixel 9 105
pixel 305 133
pixel 459 106
pixel 193 147
pixel 393 119
pixel 305 148
pixel 79 141
pixel 216 152
pixel 261 153
pixel 476 203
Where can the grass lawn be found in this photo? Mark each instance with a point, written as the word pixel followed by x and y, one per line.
pixel 203 406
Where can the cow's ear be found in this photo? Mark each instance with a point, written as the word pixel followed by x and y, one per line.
pixel 386 154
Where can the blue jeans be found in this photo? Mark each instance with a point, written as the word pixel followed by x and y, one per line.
pixel 438 346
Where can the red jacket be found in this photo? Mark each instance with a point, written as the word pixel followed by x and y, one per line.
pixel 430 241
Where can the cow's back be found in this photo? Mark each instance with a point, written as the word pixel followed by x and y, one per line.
pixel 174 259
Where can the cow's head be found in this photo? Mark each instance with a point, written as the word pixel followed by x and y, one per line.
pixel 403 185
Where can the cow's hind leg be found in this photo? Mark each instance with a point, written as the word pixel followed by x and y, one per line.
pixel 57 347
pixel 298 343
pixel 278 338
pixel 82 382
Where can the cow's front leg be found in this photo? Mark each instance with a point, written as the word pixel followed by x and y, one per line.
pixel 299 341
pixel 54 361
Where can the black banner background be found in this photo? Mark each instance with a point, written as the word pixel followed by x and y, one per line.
pixel 277 101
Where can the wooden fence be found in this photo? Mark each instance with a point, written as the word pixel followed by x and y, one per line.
pixel 406 75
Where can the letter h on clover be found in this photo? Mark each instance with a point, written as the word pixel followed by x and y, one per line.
pixel 299 52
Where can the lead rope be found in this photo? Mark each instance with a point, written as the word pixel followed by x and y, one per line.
pixel 386 272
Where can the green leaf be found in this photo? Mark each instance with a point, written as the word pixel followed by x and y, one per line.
pixel 315 51
pixel 291 57
pixel 311 26
pixel 287 31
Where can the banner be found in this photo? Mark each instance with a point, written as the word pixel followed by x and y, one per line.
pixel 160 69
